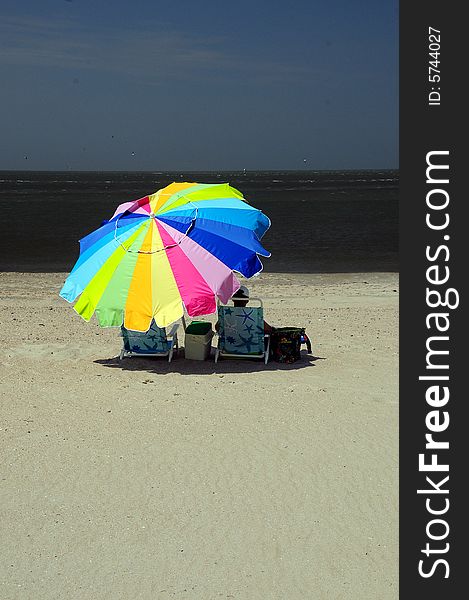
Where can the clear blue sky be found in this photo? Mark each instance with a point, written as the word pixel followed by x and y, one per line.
pixel 208 85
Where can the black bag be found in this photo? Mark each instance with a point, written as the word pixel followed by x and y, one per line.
pixel 285 343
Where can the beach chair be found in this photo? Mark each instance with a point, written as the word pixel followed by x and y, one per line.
pixel 154 342
pixel 241 332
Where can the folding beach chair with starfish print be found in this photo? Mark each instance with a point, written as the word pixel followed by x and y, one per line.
pixel 154 342
pixel 241 332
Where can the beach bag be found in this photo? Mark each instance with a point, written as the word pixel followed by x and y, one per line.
pixel 285 343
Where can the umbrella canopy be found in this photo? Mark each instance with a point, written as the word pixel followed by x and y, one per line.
pixel 173 249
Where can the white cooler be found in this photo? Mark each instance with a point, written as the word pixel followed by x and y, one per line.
pixel 198 342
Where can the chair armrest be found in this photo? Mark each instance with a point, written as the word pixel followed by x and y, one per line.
pixel 173 331
pixel 254 299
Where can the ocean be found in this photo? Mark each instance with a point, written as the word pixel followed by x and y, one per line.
pixel 322 221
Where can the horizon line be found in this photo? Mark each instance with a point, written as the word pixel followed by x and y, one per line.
pixel 169 171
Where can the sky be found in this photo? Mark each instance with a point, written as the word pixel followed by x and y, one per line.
pixel 209 85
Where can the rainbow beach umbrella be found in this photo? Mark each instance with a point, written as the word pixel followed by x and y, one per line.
pixel 175 249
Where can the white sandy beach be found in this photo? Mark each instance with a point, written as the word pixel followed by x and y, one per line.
pixel 139 479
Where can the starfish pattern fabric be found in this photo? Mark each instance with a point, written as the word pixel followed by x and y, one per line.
pixel 150 342
pixel 237 336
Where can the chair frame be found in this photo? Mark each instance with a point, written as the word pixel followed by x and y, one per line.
pixel 265 355
pixel 172 339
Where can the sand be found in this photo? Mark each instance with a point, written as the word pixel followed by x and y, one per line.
pixel 139 479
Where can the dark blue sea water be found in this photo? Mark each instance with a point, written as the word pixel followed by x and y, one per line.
pixel 322 221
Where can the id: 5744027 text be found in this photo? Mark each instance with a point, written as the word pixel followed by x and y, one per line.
pixel 434 74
